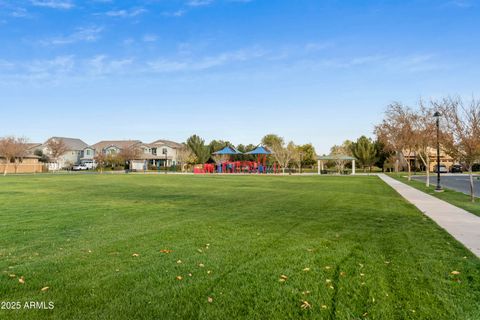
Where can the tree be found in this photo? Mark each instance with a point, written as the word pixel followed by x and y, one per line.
pixel 127 154
pixel 12 149
pixel 198 147
pixel 185 156
pixel 308 155
pixel 462 138
pixel 345 149
pixel 43 157
pixel 101 160
pixel 57 148
pixel 217 145
pixel 383 155
pixel 397 134
pixel 424 132
pixel 365 151
pixel 282 154
pixel 272 140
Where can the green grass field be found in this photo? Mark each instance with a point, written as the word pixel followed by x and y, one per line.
pixel 244 247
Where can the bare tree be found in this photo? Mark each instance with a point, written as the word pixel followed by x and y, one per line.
pixel 127 154
pixel 101 160
pixel 283 154
pixel 462 138
pixel 57 148
pixel 12 149
pixel 185 156
pixel 397 133
pixel 424 131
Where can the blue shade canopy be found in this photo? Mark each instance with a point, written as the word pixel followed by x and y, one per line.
pixel 259 150
pixel 227 150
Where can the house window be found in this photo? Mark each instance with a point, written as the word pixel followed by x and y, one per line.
pixel 88 152
pixel 154 151
pixel 164 151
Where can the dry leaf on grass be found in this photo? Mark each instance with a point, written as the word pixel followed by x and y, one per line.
pixel 21 280
pixel 283 278
pixel 454 272
pixel 324 306
pixel 201 265
pixel 179 278
pixel 179 261
pixel 44 289
pixel 342 274
pixel 305 305
pixel 166 251
pixel 327 267
pixel 210 299
pixel 135 255
pixel 12 275
pixel 306 269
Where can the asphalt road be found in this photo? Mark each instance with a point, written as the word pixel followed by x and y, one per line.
pixel 458 182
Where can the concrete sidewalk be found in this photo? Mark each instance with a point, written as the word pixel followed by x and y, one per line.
pixel 461 224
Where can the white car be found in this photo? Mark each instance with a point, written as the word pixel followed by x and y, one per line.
pixel 80 167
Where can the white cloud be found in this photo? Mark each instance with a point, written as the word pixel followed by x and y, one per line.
pixel 124 13
pixel 199 3
pixel 178 13
pixel 88 34
pixel 166 65
pixel 101 65
pixel 54 4
pixel 460 3
pixel 149 38
pixel 19 13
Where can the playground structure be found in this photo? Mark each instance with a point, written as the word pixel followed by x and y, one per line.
pixel 225 163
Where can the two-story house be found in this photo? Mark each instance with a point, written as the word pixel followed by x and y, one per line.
pixel 74 152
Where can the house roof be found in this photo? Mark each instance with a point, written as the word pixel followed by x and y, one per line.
pixel 121 144
pixel 33 146
pixel 168 143
pixel 71 143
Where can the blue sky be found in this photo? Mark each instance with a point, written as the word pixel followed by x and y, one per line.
pixel 318 71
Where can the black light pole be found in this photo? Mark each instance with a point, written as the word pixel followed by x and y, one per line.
pixel 301 159
pixel 437 116
pixel 166 159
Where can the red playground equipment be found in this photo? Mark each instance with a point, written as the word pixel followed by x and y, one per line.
pixel 245 167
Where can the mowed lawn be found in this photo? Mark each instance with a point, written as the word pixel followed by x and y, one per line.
pixel 252 247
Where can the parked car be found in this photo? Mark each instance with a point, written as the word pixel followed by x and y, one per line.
pixel 456 168
pixel 80 167
pixel 443 169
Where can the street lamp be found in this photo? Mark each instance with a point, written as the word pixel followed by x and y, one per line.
pixel 164 151
pixel 437 115
pixel 301 159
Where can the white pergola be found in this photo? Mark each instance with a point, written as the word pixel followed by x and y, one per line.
pixel 335 157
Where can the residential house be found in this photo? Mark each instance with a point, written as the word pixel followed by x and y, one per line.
pixel 416 162
pixel 28 163
pixel 71 157
pixel 107 147
pixel 156 154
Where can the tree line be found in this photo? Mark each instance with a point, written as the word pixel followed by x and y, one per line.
pixel 408 132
